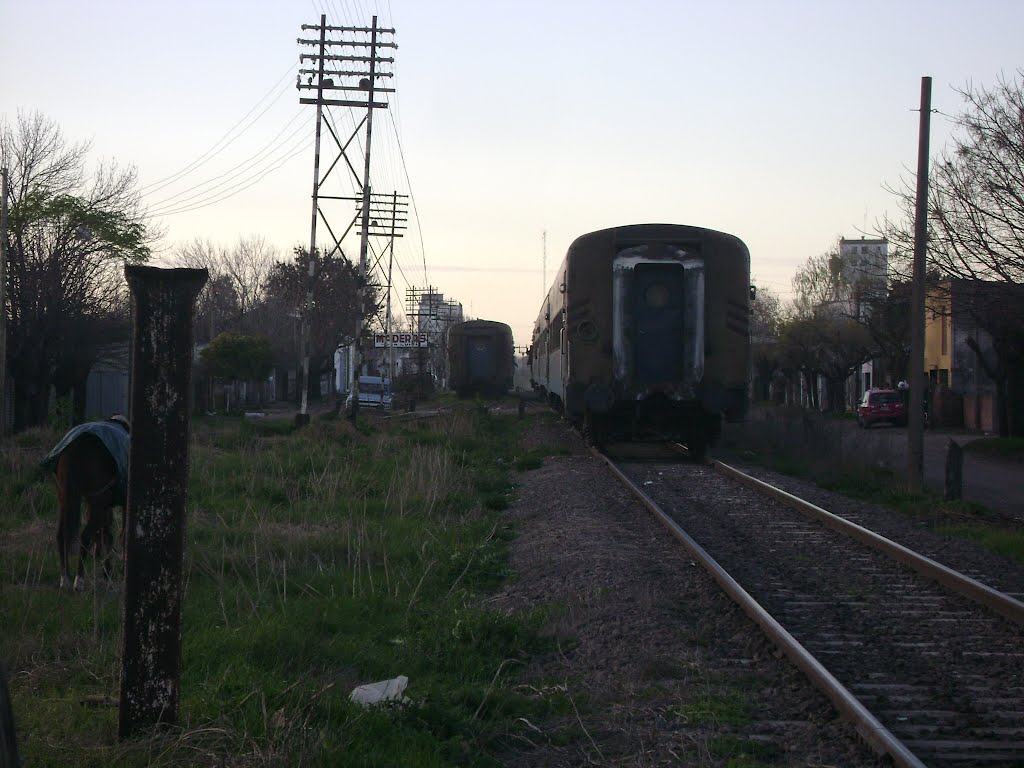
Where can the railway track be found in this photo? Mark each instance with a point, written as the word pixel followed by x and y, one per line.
pixel 928 675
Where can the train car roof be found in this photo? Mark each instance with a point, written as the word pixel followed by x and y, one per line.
pixel 647 232
pixel 469 325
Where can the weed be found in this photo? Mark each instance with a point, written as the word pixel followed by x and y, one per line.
pixel 317 560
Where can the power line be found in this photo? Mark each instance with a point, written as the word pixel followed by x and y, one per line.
pixel 241 167
pixel 240 187
pixel 211 153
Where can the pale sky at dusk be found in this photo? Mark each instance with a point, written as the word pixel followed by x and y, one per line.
pixel 778 122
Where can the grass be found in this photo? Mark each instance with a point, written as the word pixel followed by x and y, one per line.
pixel 1000 447
pixel 316 560
pixel 774 445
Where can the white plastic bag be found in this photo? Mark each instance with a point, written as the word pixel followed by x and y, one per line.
pixel 385 690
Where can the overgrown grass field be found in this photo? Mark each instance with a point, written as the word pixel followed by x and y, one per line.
pixel 316 560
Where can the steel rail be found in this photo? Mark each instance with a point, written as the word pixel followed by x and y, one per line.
pixel 876 735
pixel 1004 604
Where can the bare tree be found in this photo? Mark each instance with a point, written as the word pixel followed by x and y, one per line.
pixel 818 282
pixel 234 297
pixel 823 335
pixel 765 322
pixel 976 229
pixel 70 232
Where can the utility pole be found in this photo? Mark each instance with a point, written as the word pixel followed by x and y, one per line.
pixel 360 86
pixel 307 316
pixel 3 302
pixel 915 429
pixel 396 224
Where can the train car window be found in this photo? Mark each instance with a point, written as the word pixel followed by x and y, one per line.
pixel 657 295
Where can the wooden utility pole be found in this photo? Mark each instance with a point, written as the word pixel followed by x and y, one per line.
pixel 399 205
pixel 915 429
pixel 361 81
pixel 3 304
pixel 302 417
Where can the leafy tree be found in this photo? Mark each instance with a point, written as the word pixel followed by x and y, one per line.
pixel 70 231
pixel 235 357
pixel 334 316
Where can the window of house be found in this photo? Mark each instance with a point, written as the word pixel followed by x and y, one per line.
pixel 944 377
pixel 945 335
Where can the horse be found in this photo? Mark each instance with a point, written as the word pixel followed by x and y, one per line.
pixel 90 464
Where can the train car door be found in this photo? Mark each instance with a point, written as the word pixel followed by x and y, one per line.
pixel 658 322
pixel 482 359
pixel 658 316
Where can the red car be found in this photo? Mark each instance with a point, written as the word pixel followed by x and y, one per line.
pixel 879 405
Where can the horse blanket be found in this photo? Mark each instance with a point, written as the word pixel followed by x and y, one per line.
pixel 115 440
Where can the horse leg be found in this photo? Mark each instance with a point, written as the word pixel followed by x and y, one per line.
pixel 105 542
pixel 69 509
pixel 62 550
pixel 88 534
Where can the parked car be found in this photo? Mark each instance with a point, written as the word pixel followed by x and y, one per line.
pixel 374 392
pixel 882 405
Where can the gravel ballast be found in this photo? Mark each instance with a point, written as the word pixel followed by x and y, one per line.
pixel 659 666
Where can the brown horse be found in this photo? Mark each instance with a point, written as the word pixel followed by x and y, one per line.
pixel 90 465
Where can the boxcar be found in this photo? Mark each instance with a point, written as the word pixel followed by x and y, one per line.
pixel 645 333
pixel 480 358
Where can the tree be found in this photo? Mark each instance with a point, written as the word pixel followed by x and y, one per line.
pixel 234 298
pixel 765 322
pixel 235 357
pixel 335 307
pixel 888 323
pixel 70 232
pixel 976 222
pixel 819 281
pixel 823 335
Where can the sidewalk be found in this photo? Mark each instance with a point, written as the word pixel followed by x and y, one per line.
pixel 996 483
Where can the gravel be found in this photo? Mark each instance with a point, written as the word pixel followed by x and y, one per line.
pixel 659 667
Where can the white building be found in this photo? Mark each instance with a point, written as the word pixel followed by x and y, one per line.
pixel 865 279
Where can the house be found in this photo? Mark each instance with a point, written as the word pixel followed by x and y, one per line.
pixel 106 389
pixel 972 329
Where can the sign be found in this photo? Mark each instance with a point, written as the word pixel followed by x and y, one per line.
pixel 400 340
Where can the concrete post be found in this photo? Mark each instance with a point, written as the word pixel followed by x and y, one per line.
pixel 954 485
pixel 163 301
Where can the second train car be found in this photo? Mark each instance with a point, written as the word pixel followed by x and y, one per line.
pixel 480 358
pixel 646 333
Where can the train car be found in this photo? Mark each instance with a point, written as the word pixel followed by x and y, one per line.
pixel 646 333
pixel 480 358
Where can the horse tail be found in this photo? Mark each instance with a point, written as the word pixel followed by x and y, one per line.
pixel 70 498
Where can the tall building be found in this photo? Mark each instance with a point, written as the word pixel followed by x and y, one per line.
pixel 864 273
pixel 864 266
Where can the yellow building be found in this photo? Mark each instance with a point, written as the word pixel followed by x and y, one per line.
pixel 938 334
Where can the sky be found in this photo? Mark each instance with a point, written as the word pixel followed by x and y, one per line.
pixel 515 127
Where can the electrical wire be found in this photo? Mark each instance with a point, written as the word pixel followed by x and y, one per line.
pixel 210 153
pixel 272 146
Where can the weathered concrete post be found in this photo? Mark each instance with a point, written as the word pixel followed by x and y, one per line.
pixel 954 485
pixel 161 378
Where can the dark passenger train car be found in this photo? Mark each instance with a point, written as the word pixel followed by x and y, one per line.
pixel 480 358
pixel 646 333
